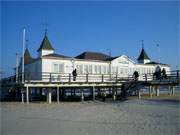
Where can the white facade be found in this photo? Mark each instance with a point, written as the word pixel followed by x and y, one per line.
pixel 49 64
pixel 121 66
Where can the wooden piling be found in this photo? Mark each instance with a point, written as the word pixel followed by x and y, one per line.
pixel 139 94
pixel 27 95
pixel 57 94
pixel 82 94
pixel 49 96
pixel 157 91
pixel 150 91
pixel 93 93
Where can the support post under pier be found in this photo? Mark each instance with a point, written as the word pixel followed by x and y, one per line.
pixel 82 94
pixel 150 91
pixel 173 90
pixel 49 100
pixel 22 96
pixel 27 95
pixel 157 91
pixel 93 93
pixel 139 94
pixel 57 94
pixel 114 94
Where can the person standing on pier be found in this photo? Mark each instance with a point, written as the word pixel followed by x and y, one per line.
pixel 74 73
pixel 136 75
pixel 164 75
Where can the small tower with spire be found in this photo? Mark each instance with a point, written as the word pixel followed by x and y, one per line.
pixel 27 55
pixel 45 47
pixel 143 57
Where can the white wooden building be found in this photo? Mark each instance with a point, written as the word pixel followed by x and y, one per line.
pixel 91 63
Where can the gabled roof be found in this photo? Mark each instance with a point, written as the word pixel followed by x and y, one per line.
pixel 143 55
pixel 56 55
pixel 45 44
pixel 156 63
pixel 93 56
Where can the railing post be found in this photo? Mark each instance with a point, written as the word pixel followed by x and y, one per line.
pixel 87 78
pixel 50 77
pixel 146 77
pixel 69 78
pixel 116 78
pixel 102 78
pixel 28 77
pixel 177 75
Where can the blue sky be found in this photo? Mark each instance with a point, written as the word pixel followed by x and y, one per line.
pixel 74 27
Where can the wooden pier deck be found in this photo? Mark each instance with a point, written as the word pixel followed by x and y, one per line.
pixel 97 84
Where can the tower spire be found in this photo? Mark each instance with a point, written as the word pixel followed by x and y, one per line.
pixel 46 29
pixel 142 43
pixel 27 41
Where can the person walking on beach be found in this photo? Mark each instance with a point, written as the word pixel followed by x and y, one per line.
pixel 103 96
pixel 74 73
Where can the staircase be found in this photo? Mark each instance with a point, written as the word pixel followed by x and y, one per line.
pixel 130 87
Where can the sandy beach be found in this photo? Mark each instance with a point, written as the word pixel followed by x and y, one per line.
pixel 157 116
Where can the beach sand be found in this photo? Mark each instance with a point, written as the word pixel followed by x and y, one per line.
pixel 157 116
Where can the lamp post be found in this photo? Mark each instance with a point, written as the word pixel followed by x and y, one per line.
pixel 72 61
pixel 158 52
pixel 110 64
pixel 17 62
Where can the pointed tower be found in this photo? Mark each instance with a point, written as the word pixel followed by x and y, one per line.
pixel 45 47
pixel 143 57
pixel 27 56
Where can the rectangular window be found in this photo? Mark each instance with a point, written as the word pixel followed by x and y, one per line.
pixel 61 68
pixel 117 70
pixel 99 69
pixel 55 68
pixel 86 69
pixel 90 69
pixel 95 68
pixel 58 68
pixel 79 69
pixel 107 71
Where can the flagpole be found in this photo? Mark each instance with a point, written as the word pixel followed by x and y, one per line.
pixel 17 61
pixel 158 51
pixel 23 46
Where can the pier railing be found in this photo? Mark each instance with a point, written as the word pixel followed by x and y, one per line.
pixel 88 78
pixel 169 76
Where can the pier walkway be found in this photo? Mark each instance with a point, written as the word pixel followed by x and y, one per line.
pixel 55 86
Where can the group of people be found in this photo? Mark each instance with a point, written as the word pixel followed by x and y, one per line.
pixel 160 74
